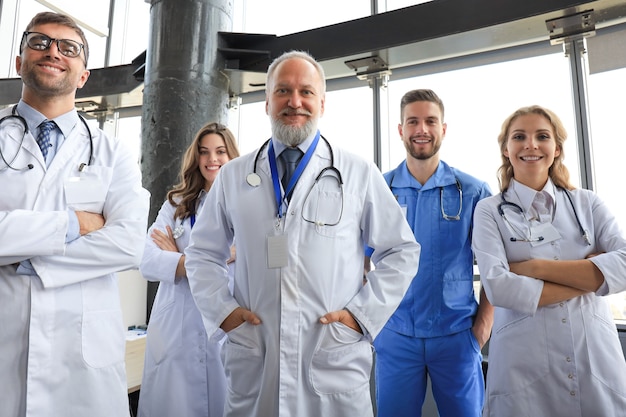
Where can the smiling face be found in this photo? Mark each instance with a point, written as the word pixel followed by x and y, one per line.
pixel 295 100
pixel 531 148
pixel 422 129
pixel 212 155
pixel 48 73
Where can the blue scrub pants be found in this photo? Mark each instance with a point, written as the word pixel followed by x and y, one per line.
pixel 454 364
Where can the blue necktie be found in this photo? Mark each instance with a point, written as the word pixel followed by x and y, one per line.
pixel 291 157
pixel 43 138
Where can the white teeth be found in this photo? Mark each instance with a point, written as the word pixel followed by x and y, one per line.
pixel 51 68
pixel 530 158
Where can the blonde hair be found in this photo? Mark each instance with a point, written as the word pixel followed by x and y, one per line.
pixel 558 171
pixel 191 179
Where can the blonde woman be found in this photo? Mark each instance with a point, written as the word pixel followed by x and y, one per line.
pixel 548 253
pixel 183 374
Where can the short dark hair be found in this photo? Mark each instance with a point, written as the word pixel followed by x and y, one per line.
pixel 420 95
pixel 60 19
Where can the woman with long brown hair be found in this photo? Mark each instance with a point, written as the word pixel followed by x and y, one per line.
pixel 183 373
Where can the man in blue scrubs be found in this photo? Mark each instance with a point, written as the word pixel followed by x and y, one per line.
pixel 439 329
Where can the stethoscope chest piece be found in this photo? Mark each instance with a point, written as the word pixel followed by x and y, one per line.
pixel 253 179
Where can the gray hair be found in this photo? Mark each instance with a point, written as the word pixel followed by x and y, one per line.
pixel 295 54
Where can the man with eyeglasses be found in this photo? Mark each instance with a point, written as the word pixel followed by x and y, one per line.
pixel 73 213
pixel 438 330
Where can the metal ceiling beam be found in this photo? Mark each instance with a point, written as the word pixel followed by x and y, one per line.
pixel 409 25
pixel 403 37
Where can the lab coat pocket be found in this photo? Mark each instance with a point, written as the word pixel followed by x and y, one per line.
pixel 328 211
pixel 605 352
pixel 103 338
pixel 166 323
pixel 243 361
pixel 342 361
pixel 88 190
pixel 518 351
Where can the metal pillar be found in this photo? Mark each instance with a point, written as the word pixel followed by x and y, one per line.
pixel 184 88
pixel 575 51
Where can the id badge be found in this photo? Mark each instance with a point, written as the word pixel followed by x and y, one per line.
pixel 549 233
pixel 85 193
pixel 277 251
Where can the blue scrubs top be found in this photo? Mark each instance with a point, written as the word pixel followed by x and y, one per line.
pixel 440 300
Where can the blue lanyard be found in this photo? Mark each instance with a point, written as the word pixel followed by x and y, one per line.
pixel 294 178
pixel 192 220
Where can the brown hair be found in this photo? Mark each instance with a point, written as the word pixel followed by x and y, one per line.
pixel 558 171
pixel 420 95
pixel 191 179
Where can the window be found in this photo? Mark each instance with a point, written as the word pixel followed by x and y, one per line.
pixel 477 100
pixel 609 148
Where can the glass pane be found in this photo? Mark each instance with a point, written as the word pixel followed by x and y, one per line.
pixel 477 100
pixel 129 131
pixel 606 89
pixel 348 121
pixel 279 17
pixel 129 32
pixel 92 17
pixel 250 126
pixel 388 5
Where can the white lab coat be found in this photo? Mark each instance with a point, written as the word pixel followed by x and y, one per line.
pixel 563 359
pixel 62 339
pixel 183 375
pixel 291 365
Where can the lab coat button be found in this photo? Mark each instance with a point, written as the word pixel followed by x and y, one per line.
pixel 572 393
pixel 561 304
pixel 570 376
pixel 556 258
pixel 564 321
pixel 568 359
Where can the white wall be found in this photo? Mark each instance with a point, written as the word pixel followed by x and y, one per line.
pixel 133 295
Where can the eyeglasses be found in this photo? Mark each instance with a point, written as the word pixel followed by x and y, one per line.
pixel 41 42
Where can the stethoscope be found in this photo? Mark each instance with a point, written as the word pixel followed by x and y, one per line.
pixel 254 180
pixel 515 207
pixel 444 215
pixel 15 115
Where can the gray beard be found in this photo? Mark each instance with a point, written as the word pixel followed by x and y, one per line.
pixel 292 135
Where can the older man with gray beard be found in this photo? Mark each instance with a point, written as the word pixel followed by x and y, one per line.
pixel 300 321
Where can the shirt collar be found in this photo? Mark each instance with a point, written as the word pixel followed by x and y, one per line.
pixel 65 122
pixel 527 195
pixel 443 176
